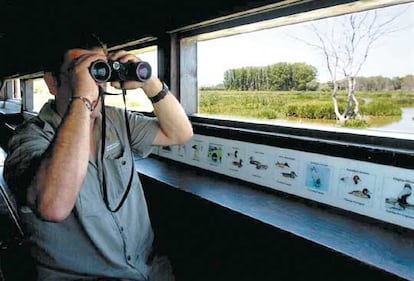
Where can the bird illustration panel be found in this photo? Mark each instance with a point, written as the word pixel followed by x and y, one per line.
pixel 397 196
pixel 197 150
pixel 286 169
pixel 317 177
pixel 236 158
pixel 258 163
pixel 357 187
pixel 215 154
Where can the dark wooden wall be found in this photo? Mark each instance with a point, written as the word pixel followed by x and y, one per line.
pixel 208 242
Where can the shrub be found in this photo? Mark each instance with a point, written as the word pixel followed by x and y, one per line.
pixel 311 110
pixel 355 123
pixel 381 107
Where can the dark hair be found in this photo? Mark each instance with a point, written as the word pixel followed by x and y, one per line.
pixel 85 41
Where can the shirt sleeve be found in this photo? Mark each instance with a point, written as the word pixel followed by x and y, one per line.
pixel 143 132
pixel 25 150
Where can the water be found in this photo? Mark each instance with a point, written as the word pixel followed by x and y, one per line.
pixel 405 124
pixel 394 126
pixel 399 127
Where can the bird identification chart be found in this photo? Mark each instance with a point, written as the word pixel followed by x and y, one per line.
pixel 374 190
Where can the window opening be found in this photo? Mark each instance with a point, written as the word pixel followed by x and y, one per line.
pixel 136 99
pixel 41 94
pixel 349 70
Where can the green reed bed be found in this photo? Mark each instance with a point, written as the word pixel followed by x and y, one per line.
pixel 308 105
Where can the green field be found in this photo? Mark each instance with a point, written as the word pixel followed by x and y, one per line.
pixel 304 105
pixel 376 107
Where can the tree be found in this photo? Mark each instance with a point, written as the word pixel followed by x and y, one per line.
pixel 302 74
pixel 407 83
pixel 281 76
pixel 396 83
pixel 345 47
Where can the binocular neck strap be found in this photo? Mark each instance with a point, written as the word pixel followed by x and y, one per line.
pixel 104 186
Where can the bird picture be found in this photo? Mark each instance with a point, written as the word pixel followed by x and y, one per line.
pixel 364 193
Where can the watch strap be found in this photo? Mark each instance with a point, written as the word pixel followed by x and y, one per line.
pixel 161 94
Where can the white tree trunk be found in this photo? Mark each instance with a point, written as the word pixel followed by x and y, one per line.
pixel 338 115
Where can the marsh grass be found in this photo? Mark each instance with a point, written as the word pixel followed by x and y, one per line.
pixel 305 105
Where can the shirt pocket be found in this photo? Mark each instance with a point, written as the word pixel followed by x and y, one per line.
pixel 114 150
pixel 118 168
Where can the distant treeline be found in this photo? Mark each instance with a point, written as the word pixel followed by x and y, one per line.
pixel 302 77
pixel 383 84
pixel 276 77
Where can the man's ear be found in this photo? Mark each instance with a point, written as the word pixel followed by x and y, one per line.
pixel 50 82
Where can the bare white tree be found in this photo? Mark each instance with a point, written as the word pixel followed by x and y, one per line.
pixel 345 43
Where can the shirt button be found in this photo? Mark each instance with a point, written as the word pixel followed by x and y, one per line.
pixel 123 162
pixel 129 258
pixel 122 229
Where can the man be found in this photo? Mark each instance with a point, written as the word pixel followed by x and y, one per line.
pixel 87 214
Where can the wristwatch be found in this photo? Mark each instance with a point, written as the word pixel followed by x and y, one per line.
pixel 161 94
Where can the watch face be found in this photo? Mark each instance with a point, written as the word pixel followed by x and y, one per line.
pixel 88 106
pixel 87 103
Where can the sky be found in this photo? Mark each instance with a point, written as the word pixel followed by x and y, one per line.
pixel 392 55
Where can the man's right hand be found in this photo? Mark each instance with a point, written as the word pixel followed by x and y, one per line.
pixel 81 81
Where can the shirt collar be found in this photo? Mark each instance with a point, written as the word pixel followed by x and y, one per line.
pixel 49 115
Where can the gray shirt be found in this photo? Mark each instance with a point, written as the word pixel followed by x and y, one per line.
pixel 91 241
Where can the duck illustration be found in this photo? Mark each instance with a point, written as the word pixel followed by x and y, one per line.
pixel 351 180
pixel 364 193
pixel 401 201
pixel 234 154
pixel 238 164
pixel 403 195
pixel 291 175
pixel 282 165
pixel 258 165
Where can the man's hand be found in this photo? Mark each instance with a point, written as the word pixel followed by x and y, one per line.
pixel 123 57
pixel 77 68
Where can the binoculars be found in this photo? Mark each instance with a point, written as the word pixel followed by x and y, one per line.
pixel 108 71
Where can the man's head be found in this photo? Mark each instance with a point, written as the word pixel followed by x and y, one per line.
pixel 86 42
pixel 59 76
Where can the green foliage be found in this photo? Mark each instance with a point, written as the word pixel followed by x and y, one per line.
pixel 311 110
pixel 356 123
pixel 218 87
pixel 264 105
pixel 381 107
pixel 316 105
pixel 312 85
pixel 407 83
pixel 301 76
pixel 276 77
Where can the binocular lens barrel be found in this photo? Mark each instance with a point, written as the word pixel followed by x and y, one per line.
pixel 103 71
pixel 100 71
